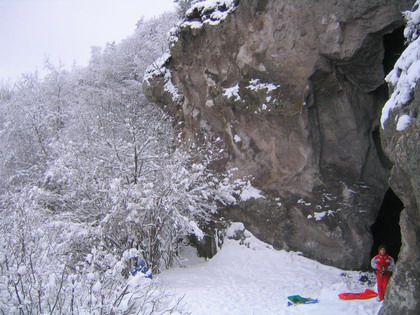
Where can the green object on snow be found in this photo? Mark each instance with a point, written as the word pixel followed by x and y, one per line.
pixel 297 299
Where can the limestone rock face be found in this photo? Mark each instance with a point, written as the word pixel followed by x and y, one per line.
pixel 401 141
pixel 404 149
pixel 293 88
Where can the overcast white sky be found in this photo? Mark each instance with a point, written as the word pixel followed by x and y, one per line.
pixel 64 30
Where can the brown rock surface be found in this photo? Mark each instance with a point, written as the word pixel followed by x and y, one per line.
pixel 292 89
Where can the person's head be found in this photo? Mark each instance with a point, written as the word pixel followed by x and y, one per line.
pixel 382 250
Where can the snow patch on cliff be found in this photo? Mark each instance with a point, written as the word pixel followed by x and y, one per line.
pixel 250 192
pixel 319 216
pixel 230 191
pixel 232 93
pixel 171 88
pixel 403 122
pixel 237 139
pixel 257 85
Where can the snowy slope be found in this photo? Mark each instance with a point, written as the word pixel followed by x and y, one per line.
pixel 253 278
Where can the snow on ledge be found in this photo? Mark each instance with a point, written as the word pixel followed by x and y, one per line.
pixel 195 230
pixel 233 228
pixel 210 11
pixel 249 240
pixel 321 215
pixel 257 85
pixel 239 190
pixel 158 69
pixel 249 192
pixel 403 122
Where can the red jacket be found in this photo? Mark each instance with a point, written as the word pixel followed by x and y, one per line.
pixel 383 263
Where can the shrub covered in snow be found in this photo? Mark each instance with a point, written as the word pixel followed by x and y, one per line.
pixel 405 75
pixel 209 12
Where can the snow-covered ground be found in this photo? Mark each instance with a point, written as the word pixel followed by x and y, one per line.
pixel 253 278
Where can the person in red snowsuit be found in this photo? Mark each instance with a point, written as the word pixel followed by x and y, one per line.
pixel 384 266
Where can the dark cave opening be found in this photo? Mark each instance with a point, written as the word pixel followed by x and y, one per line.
pixel 386 229
pixel 394 44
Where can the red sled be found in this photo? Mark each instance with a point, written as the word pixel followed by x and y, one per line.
pixel 368 294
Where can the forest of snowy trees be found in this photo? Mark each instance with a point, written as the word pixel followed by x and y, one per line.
pixel 90 177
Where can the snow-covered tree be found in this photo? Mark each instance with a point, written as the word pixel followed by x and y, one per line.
pixel 184 5
pixel 89 176
pixel 404 77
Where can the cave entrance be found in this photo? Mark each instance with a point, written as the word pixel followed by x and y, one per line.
pixel 394 44
pixel 386 229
